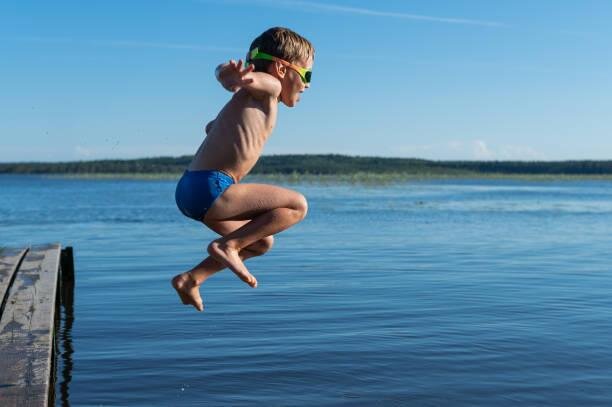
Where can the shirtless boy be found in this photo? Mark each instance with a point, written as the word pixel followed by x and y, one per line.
pixel 278 68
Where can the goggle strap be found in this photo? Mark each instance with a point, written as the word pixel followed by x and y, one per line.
pixel 255 54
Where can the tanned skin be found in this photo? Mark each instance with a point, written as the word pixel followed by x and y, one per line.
pixel 245 215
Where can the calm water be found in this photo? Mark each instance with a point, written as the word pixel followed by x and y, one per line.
pixel 424 293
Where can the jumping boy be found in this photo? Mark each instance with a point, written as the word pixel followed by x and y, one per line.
pixel 278 69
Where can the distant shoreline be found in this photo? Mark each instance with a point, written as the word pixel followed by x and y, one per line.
pixel 327 168
pixel 356 178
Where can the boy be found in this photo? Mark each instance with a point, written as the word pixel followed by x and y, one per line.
pixel 245 215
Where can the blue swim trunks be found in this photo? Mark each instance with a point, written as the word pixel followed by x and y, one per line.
pixel 197 190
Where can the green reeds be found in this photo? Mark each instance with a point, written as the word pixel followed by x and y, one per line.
pixel 367 178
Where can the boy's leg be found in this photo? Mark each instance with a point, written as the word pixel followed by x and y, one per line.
pixel 210 266
pixel 187 284
pixel 264 210
pixel 268 210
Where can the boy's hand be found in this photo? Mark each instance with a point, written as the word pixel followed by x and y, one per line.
pixel 232 75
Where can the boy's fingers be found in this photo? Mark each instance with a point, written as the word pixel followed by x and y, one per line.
pixel 239 65
pixel 248 69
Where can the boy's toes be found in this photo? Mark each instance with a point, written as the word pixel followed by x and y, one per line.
pixel 247 278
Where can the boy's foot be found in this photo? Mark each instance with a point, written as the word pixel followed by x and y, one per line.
pixel 188 290
pixel 229 258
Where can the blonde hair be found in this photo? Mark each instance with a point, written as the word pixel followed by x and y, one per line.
pixel 282 43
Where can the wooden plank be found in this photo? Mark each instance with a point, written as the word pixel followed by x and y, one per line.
pixel 9 260
pixel 26 330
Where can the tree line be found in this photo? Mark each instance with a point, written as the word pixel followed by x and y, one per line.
pixel 318 164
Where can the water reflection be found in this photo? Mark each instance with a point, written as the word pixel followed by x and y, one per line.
pixel 65 342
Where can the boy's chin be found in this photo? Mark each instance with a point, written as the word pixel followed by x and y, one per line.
pixel 290 102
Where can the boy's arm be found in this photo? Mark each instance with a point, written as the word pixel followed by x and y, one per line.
pixel 232 77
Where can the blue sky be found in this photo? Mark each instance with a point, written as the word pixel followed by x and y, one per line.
pixel 445 79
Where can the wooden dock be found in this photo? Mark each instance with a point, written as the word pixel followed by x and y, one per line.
pixel 30 283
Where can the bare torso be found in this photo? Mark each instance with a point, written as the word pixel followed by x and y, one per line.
pixel 235 139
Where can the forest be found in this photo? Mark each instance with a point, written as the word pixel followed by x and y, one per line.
pixel 327 164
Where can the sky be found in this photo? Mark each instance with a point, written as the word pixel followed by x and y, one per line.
pixel 440 80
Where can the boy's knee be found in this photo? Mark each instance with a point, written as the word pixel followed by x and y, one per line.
pixel 301 207
pixel 266 243
pixel 262 246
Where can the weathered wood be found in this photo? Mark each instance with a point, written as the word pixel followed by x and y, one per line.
pixel 26 330
pixel 9 261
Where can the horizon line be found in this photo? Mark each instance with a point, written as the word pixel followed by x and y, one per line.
pixel 320 154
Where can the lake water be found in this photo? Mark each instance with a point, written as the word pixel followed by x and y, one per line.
pixel 461 292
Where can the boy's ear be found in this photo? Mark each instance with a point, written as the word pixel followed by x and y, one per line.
pixel 279 69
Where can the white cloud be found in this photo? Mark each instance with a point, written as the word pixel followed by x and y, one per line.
pixel 473 149
pixel 510 152
pixel 82 152
pixel 116 150
pixel 310 6
pixel 455 145
pixel 481 151
pixel 417 150
pixel 129 44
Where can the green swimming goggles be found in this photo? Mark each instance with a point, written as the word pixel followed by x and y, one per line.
pixel 305 74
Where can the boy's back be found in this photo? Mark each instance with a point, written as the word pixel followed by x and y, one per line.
pixel 235 139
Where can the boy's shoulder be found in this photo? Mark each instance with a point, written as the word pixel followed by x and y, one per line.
pixel 245 99
pixel 233 76
pixel 263 85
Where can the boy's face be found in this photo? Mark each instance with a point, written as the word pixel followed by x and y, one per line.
pixel 292 84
